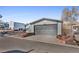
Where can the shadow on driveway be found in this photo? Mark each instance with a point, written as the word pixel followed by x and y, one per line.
pixel 17 51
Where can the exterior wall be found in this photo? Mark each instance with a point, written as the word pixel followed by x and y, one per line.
pixel 16 25
pixel 11 25
pixel 31 27
pixel 41 23
pixel 59 28
pixel 6 26
pixel 45 22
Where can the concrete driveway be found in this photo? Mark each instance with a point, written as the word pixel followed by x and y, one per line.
pixel 9 43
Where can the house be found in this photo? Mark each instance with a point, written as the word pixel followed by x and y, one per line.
pixel 45 26
pixel 75 28
pixel 4 25
pixel 16 25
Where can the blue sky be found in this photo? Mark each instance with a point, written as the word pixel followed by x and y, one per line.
pixel 26 14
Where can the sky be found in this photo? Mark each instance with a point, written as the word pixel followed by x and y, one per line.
pixel 26 14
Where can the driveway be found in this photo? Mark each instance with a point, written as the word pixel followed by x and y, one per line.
pixel 9 43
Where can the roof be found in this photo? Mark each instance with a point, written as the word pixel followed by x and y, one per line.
pixel 45 19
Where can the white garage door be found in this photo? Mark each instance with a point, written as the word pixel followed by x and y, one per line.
pixel 46 29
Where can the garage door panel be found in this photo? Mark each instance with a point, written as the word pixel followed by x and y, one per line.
pixel 46 29
pixel 50 32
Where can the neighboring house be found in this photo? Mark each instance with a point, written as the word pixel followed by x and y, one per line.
pixel 16 25
pixel 75 28
pixel 45 26
pixel 4 25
